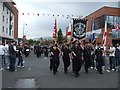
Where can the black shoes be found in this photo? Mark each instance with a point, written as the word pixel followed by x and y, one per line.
pixel 86 72
pixel 77 75
pixel 100 72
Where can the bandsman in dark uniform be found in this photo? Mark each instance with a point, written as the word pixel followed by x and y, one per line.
pixel 38 50
pixel 99 59
pixel 51 47
pixel 66 56
pixel 55 58
pixel 77 57
pixel 87 57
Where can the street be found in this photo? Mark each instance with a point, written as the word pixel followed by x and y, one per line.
pixel 37 74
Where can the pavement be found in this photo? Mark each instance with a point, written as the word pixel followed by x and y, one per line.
pixel 37 74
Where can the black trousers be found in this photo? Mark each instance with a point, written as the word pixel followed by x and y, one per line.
pixel 87 64
pixel 51 65
pixel 77 66
pixel 66 62
pixel 55 64
pixel 20 60
pixel 92 61
pixel 99 65
pixel 12 62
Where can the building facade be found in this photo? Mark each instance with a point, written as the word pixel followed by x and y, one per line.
pixel 112 16
pixel 8 22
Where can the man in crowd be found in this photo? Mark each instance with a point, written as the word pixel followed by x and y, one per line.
pixel 12 56
pixel 66 57
pixel 112 57
pixel 55 51
pixel 87 56
pixel 99 58
pixel 77 57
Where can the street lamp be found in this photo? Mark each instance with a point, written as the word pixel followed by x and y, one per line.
pixel 24 37
pixel 24 28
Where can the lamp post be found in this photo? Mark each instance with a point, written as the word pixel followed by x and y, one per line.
pixel 24 28
pixel 24 37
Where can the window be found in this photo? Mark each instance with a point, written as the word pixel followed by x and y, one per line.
pixel 99 22
pixel 112 21
pixel 3 7
pixel 3 29
pixel 7 30
pixel 7 10
pixel 7 20
pixel 3 18
pixel 12 32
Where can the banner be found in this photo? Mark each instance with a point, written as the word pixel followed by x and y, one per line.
pixel 79 28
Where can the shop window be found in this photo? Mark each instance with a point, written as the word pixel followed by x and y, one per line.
pixel 3 18
pixel 7 20
pixel 7 10
pixel 7 30
pixel 3 29
pixel 3 7
pixel 99 22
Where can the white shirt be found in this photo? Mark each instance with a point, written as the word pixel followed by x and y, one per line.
pixel 2 50
pixel 118 47
pixel 6 49
pixel 112 51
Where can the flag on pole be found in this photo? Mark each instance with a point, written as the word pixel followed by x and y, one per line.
pixel 117 27
pixel 55 30
pixel 105 36
pixel 79 28
pixel 69 31
pixel 93 34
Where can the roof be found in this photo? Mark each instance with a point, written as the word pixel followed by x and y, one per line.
pixel 8 6
pixel 101 9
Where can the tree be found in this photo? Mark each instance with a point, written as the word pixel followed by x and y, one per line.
pixel 60 36
pixel 30 41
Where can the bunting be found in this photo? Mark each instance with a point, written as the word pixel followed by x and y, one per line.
pixel 47 14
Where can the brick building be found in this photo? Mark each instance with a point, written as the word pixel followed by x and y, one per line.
pixel 110 14
pixel 8 22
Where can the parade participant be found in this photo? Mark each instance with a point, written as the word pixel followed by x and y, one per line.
pixel 20 58
pixel 38 50
pixel 46 51
pixel 77 57
pixel 55 58
pixel 99 59
pixel 12 56
pixel 51 47
pixel 65 56
pixel 26 50
pixel 92 56
pixel 112 57
pixel 34 49
pixel 2 55
pixel 87 56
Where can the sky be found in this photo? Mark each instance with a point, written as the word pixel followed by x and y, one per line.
pixel 43 25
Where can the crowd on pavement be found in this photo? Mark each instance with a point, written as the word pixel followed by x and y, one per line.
pixel 8 54
pixel 88 55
